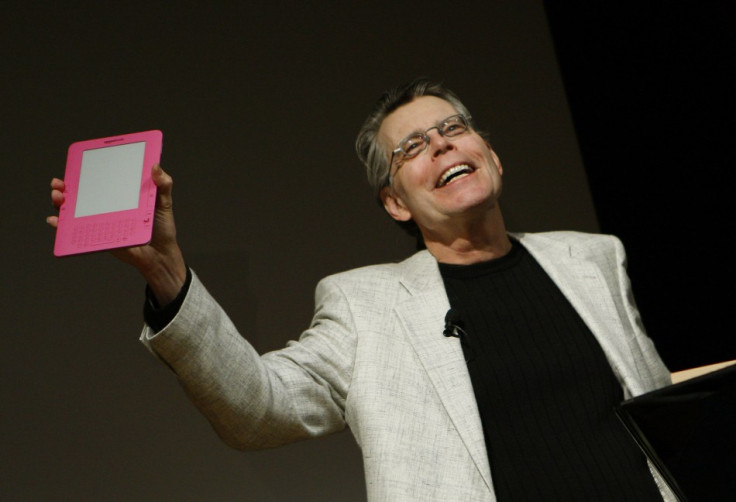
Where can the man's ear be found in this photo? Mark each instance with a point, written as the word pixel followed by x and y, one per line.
pixel 495 157
pixel 394 205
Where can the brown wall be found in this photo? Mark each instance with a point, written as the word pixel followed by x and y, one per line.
pixel 259 106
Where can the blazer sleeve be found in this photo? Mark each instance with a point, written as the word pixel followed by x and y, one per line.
pixel 255 401
pixel 650 360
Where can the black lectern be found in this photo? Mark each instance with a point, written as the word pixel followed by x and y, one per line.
pixel 688 431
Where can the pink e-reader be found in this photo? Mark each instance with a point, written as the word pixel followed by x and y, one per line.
pixel 109 196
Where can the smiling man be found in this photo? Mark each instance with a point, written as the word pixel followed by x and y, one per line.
pixel 451 191
pixel 484 367
pixel 547 327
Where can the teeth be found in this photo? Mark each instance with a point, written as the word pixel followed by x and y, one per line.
pixel 453 172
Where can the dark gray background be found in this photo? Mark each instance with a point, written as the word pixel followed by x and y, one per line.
pixel 259 106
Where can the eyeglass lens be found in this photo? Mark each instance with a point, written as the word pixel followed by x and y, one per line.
pixel 451 126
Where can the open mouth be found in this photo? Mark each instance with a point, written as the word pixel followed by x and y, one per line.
pixel 454 174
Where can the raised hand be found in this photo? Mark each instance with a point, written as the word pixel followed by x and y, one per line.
pixel 160 262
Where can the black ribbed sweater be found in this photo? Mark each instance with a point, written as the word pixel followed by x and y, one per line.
pixel 544 388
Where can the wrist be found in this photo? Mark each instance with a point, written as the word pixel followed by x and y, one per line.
pixel 157 316
pixel 166 277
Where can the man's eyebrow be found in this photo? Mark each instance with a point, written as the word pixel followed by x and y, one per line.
pixel 413 133
pixel 420 130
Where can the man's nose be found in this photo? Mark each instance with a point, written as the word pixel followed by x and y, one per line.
pixel 437 142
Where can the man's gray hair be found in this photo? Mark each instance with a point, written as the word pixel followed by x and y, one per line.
pixel 372 153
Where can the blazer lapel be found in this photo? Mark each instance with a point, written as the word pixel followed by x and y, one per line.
pixel 583 284
pixel 423 315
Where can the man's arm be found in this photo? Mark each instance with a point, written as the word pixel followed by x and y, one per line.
pixel 652 362
pixel 251 401
pixel 264 401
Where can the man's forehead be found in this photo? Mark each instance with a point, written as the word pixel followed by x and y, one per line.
pixel 415 116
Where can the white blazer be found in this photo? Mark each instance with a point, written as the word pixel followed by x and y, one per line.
pixel 375 359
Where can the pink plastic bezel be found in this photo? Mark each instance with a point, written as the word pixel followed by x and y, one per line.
pixel 140 219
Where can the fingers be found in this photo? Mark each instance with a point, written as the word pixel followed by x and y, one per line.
pixel 57 192
pixel 57 199
pixel 57 184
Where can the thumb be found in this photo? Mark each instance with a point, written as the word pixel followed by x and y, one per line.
pixel 164 183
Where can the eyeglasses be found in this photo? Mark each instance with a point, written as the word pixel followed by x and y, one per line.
pixel 416 143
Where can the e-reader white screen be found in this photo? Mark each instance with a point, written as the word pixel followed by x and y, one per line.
pixel 110 179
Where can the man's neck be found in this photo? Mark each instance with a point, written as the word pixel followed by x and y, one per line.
pixel 470 242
